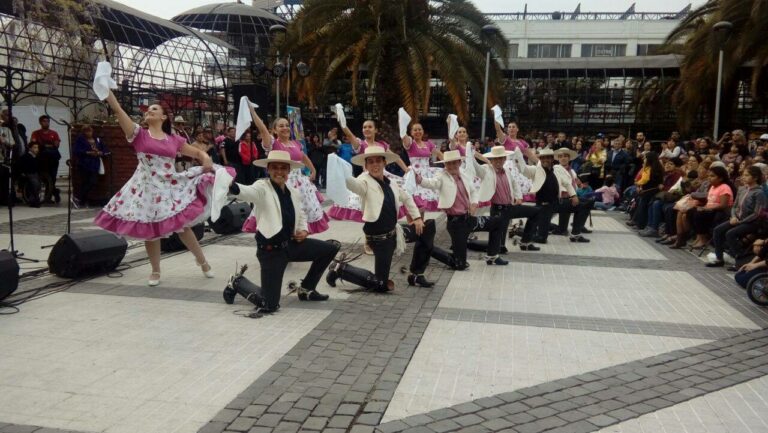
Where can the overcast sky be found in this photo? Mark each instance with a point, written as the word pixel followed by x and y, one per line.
pixel 169 8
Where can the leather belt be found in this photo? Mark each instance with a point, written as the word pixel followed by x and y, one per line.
pixel 458 217
pixel 381 237
pixel 501 206
pixel 272 247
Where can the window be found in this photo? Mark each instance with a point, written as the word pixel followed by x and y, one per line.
pixel 513 51
pixel 603 50
pixel 647 49
pixel 548 51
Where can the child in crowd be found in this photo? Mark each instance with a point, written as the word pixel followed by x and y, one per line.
pixel 609 194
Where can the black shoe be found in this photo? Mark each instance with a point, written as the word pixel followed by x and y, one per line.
pixel 57 195
pixel 503 250
pixel 311 295
pixel 715 264
pixel 540 240
pixel 461 267
pixel 579 238
pixel 497 261
pixel 229 295
pixel 586 230
pixel 661 240
pixel 419 280
pixel 558 232
pixel 384 287
pixel 631 223
pixel 529 247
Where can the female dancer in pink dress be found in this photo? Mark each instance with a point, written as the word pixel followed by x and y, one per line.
pixel 157 201
pixel 352 209
pixel 459 142
pixel 420 152
pixel 317 219
pixel 510 142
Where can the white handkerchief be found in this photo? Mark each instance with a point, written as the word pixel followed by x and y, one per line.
pixel 103 81
pixel 403 119
pixel 409 182
pixel 244 118
pixel 219 193
pixel 338 171
pixel 469 167
pixel 453 126
pixel 339 110
pixel 497 115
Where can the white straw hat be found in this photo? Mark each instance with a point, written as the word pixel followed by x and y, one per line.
pixel 498 152
pixel 370 151
pixel 451 155
pixel 278 156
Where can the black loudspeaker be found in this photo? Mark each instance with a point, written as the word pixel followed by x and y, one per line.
pixel 9 274
pixel 173 243
pixel 88 252
pixel 232 218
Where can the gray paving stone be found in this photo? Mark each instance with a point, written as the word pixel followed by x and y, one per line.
pixel 287 427
pixel 241 424
pixel 392 427
pixel 361 429
pixel 420 419
pixel 340 421
pixel 467 420
pixel 254 411
pixel 226 415
pixel 269 420
pixel 443 413
pixel 445 425
pixel 602 420
pixel 297 415
pixel 211 427
pixel 622 414
pixel 348 409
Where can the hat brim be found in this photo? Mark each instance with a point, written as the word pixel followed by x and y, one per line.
pixel 263 163
pixel 571 154
pixel 389 157
pixel 461 158
pixel 491 155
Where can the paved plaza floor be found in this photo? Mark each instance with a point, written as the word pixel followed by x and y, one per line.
pixel 618 335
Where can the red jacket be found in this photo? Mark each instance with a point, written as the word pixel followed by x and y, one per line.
pixel 247 156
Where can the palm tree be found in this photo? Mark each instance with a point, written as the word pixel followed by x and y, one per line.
pixel 395 48
pixel 694 39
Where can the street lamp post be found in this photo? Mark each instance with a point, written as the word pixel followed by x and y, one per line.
pixel 276 31
pixel 488 30
pixel 722 31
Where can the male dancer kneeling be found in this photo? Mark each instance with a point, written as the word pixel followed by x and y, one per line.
pixel 502 191
pixel 380 200
pixel 282 231
pixel 459 201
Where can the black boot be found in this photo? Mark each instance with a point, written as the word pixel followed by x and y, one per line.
pixel 359 277
pixel 311 295
pixel 243 286
pixel 443 256
pixel 419 280
pixel 477 245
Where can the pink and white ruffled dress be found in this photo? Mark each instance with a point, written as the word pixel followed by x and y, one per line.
pixel 312 199
pixel 158 201
pixel 352 210
pixel 523 182
pixel 420 156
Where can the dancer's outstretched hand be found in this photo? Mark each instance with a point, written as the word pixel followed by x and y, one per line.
pixel 300 235
pixel 418 225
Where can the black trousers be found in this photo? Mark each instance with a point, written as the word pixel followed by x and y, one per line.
pixel 728 236
pixel 49 168
pixel 88 180
pixel 579 211
pixel 273 264
pixel 530 213
pixel 460 227
pixel 382 254
pixel 424 244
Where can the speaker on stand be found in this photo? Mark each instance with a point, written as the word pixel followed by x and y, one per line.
pixel 86 253
pixel 9 274
pixel 232 218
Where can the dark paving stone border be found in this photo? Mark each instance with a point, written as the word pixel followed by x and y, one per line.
pixel 620 326
pixel 591 401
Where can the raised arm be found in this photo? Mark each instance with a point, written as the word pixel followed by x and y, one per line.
pixel 501 137
pixel 198 154
pixel 351 139
pixel 266 136
pixel 126 123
